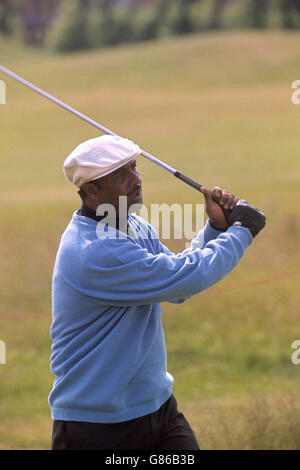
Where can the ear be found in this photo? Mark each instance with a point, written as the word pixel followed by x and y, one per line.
pixel 91 190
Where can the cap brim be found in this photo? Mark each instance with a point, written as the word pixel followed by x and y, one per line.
pixel 111 170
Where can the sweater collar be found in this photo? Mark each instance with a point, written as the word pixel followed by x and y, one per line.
pixel 88 212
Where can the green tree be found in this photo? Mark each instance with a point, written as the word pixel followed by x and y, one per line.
pixel 72 31
pixel 6 12
pixel 257 13
pixel 113 24
pixel 290 11
pixel 183 23
pixel 217 14
pixel 153 24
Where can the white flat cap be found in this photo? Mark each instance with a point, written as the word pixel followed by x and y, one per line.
pixel 98 157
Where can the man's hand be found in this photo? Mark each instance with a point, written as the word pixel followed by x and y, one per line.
pixel 214 211
pixel 248 216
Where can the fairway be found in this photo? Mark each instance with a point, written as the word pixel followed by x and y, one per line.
pixel 218 108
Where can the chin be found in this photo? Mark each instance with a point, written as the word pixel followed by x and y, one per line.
pixel 135 207
pixel 135 204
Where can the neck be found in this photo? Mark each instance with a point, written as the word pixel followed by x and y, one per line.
pixel 87 211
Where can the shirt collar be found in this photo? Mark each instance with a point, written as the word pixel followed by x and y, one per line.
pixel 88 212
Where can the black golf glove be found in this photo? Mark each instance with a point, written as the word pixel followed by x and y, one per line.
pixel 248 216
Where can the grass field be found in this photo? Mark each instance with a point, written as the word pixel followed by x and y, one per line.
pixel 218 107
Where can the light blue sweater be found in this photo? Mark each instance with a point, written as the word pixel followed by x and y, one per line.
pixel 108 353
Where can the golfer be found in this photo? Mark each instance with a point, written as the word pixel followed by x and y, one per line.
pixel 112 390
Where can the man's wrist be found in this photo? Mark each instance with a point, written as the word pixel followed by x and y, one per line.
pixel 217 228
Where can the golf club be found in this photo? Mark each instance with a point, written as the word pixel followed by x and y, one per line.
pixel 194 184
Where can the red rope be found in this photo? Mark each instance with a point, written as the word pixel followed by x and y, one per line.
pixel 212 290
pixel 21 316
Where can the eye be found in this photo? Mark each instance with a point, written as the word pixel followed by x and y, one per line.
pixel 119 173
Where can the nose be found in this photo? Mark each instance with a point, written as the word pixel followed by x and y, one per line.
pixel 135 182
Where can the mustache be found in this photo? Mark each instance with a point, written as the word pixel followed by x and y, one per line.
pixel 138 187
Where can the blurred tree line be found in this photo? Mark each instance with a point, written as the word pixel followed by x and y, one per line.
pixel 69 25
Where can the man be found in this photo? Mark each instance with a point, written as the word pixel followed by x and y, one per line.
pixel 112 389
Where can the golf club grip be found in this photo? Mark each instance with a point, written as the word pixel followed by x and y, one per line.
pixel 198 187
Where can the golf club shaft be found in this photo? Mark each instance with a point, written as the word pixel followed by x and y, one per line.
pixel 105 130
pixel 82 116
